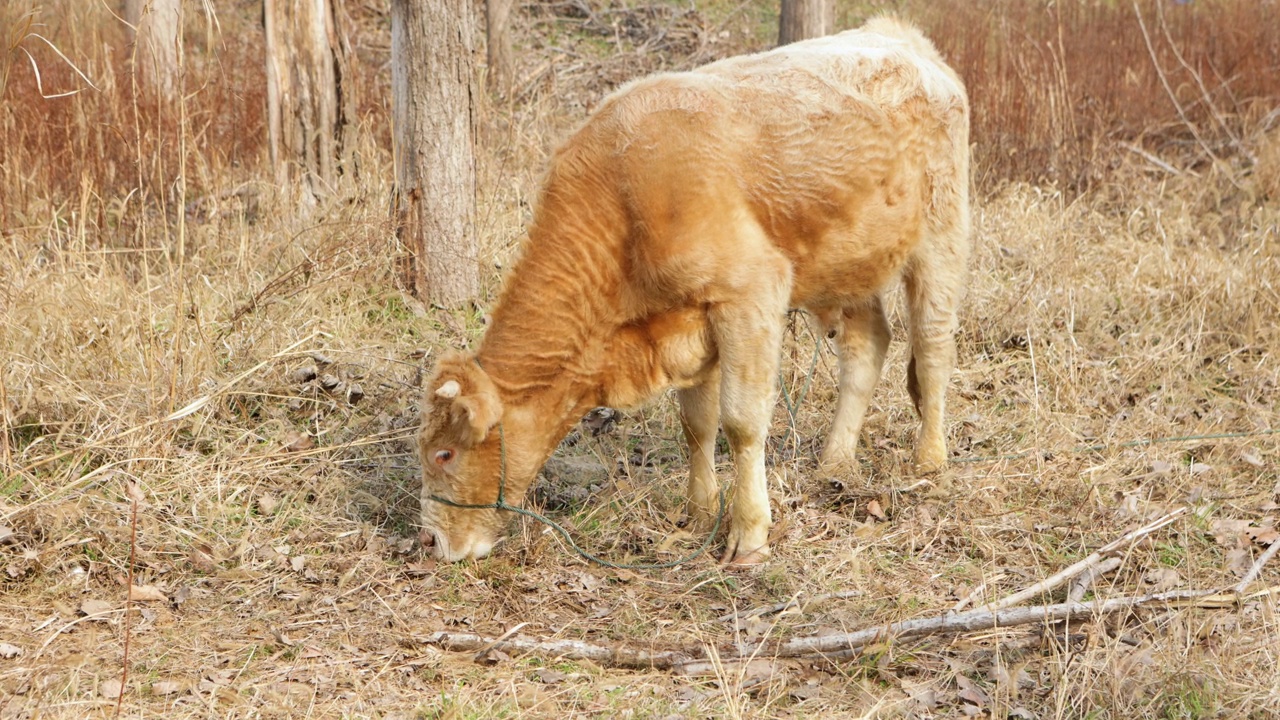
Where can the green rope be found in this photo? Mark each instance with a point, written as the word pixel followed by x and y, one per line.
pixel 804 390
pixel 1142 442
pixel 502 504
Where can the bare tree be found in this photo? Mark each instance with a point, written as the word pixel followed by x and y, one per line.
pixel 310 98
pixel 497 17
pixel 158 25
pixel 433 106
pixel 804 19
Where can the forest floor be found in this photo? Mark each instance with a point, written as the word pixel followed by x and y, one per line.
pixel 1118 362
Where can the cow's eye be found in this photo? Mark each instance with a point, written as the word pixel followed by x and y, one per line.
pixel 443 456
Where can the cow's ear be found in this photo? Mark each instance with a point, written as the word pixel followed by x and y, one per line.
pixel 465 394
pixel 477 414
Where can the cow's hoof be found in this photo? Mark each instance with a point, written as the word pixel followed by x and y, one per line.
pixel 752 558
pixel 930 460
pixel 840 474
pixel 741 550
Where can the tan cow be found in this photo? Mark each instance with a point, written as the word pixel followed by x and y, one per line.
pixel 674 231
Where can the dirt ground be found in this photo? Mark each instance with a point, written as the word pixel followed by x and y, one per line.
pixel 232 437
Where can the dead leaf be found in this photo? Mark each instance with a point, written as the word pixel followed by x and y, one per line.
pixel 203 561
pixel 8 651
pixel 874 510
pixel 1227 530
pixel 304 374
pixel 267 504
pixel 295 441
pixel 550 677
pixel 1239 560
pixel 804 692
pixel 1251 458
pixel 166 687
pixel 183 595
pixel 1160 467
pixel 110 688
pixel 426 567
pixel 1263 535
pixel 147 593
pixel 1199 468
pixel 96 608
pixel 135 492
pixel 672 539
pixel 298 563
pixel 971 693
pixel 6 534
pixel 1163 579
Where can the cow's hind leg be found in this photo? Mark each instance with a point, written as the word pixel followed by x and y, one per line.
pixel 748 332
pixel 934 284
pixel 700 418
pixel 862 341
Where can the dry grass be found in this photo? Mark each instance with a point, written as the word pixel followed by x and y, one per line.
pixel 1138 305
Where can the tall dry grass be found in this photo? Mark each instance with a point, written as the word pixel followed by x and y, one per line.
pixel 1124 288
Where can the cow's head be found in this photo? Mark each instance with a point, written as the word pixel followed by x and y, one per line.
pixel 460 448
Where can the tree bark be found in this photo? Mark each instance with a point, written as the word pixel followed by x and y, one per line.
pixel 804 19
pixel 433 106
pixel 158 25
pixel 310 99
pixel 497 17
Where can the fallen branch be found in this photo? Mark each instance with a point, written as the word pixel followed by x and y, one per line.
pixel 1085 581
pixel 697 660
pixel 1097 557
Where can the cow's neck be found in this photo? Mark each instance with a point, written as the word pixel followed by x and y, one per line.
pixel 544 349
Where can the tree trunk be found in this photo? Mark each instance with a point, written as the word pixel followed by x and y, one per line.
pixel 497 16
pixel 433 105
pixel 804 19
pixel 310 99
pixel 158 26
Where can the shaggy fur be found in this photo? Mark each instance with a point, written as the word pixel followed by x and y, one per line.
pixel 674 231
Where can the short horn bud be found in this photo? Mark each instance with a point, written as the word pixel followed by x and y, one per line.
pixel 449 390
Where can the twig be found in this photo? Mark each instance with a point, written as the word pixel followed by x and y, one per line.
pixel 793 602
pixel 1164 81
pixel 1257 567
pixel 696 660
pixel 1154 160
pixel 1204 91
pixel 133 491
pixel 1052 582
pixel 1082 583
pixel 976 592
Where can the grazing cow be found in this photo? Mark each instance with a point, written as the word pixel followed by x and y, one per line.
pixel 674 231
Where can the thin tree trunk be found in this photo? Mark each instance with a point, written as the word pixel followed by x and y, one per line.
pixel 497 17
pixel 310 102
pixel 804 19
pixel 156 58
pixel 433 105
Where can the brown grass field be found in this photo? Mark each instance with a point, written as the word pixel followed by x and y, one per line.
pixel 1119 360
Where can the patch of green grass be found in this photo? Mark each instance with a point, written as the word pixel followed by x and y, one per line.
pixel 1189 700
pixel 1171 555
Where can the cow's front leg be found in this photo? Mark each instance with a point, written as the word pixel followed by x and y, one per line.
pixel 749 333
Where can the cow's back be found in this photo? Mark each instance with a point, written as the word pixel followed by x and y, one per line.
pixel 837 148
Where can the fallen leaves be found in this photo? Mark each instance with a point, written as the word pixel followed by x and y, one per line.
pixel 96 609
pixel 111 689
pixel 147 593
